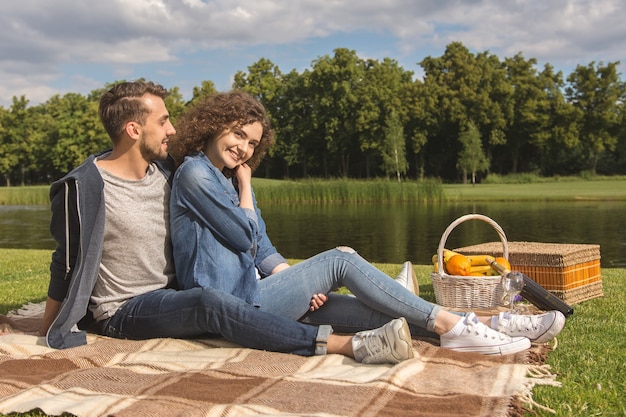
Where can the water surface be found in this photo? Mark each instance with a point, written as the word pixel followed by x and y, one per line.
pixel 394 233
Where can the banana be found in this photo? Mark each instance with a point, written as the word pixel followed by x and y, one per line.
pixel 476 260
pixel 447 254
pixel 480 260
pixel 481 269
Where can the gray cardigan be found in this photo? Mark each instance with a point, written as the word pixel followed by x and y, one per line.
pixel 77 225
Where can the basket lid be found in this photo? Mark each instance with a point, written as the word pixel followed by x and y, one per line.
pixel 538 253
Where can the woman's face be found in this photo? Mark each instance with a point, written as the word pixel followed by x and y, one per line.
pixel 234 146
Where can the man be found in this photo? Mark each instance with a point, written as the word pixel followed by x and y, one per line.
pixel 113 261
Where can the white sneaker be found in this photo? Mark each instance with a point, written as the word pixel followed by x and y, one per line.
pixel 408 279
pixel 539 328
pixel 470 335
pixel 390 343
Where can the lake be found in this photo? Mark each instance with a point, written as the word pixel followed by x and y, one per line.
pixel 398 232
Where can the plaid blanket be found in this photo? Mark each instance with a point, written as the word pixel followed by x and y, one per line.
pixel 212 377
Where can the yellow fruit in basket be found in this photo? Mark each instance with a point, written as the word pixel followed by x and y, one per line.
pixel 447 254
pixel 501 261
pixel 458 265
pixel 479 260
pixel 481 270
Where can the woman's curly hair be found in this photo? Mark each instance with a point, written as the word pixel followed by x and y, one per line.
pixel 210 117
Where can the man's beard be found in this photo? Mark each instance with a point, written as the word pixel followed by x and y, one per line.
pixel 151 154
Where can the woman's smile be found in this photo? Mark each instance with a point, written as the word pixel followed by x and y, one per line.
pixel 234 146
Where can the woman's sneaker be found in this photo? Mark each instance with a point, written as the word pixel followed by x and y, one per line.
pixel 470 335
pixel 539 328
pixel 390 343
pixel 408 279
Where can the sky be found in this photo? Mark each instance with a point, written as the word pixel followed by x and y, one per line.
pixel 50 47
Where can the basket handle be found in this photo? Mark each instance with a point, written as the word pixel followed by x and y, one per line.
pixel 446 233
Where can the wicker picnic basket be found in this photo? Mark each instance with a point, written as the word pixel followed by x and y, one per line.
pixel 468 292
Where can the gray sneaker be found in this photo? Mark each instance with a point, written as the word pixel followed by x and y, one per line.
pixel 408 279
pixel 539 328
pixel 390 343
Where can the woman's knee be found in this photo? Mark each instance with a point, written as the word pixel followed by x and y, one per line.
pixel 346 249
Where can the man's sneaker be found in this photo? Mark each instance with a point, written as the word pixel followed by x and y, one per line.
pixel 538 328
pixel 408 279
pixel 390 343
pixel 470 335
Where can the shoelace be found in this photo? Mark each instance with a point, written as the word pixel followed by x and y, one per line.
pixel 523 323
pixel 376 344
pixel 478 328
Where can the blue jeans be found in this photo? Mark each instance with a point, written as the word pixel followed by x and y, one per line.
pixel 377 298
pixel 204 311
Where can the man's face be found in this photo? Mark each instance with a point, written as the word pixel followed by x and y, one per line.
pixel 156 130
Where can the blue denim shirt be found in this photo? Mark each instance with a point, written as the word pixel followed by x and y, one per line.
pixel 217 243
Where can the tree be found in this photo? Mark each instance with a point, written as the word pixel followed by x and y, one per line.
pixel 597 92
pixel 22 137
pixel 393 152
pixel 333 86
pixel 262 80
pixel 294 144
pixel 379 94
pixel 175 103
pixel 8 157
pixel 460 86
pixel 472 159
pixel 76 131
pixel 206 89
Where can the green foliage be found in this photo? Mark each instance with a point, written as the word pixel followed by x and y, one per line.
pixel 393 152
pixel 335 119
pixel 472 159
pixel 595 92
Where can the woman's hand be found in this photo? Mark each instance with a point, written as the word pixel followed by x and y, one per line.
pixel 243 173
pixel 317 301
pixel 244 179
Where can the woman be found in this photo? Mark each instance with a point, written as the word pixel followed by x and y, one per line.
pixel 220 241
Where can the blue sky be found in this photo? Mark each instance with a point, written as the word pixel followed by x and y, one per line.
pixel 55 47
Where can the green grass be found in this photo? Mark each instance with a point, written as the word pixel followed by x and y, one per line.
pixel 29 195
pixel 320 191
pixel 589 358
pixel 544 189
pixel 23 277
pixel 346 191
pixel 540 191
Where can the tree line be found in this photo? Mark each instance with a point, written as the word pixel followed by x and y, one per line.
pixel 470 114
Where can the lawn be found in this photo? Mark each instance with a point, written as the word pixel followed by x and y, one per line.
pixel 589 358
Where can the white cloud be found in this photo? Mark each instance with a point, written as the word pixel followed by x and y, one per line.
pixel 41 39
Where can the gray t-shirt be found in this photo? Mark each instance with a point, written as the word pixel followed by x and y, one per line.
pixel 137 251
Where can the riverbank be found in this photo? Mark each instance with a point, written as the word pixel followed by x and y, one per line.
pixel 430 191
pixel 588 358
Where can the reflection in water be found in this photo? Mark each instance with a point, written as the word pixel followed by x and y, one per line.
pixel 394 233
pixel 25 227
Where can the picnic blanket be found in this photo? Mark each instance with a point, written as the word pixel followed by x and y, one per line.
pixel 212 377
